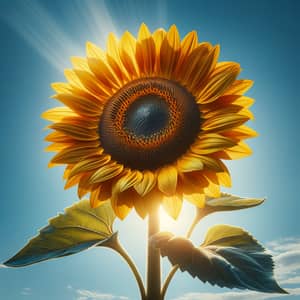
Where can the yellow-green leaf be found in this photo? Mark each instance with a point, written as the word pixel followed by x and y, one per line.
pixel 227 202
pixel 78 228
pixel 231 236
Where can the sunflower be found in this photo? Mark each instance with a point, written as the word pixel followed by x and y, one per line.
pixel 149 121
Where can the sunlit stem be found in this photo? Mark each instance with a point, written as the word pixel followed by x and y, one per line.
pixel 176 267
pixel 120 249
pixel 153 262
pixel 192 227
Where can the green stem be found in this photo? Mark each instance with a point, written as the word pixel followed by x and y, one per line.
pixel 192 227
pixel 153 262
pixel 118 247
pixel 168 280
pixel 176 267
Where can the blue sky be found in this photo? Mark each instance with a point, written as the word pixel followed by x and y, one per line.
pixel 37 39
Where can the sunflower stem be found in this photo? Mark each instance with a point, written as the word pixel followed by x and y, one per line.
pixel 176 267
pixel 153 263
pixel 120 249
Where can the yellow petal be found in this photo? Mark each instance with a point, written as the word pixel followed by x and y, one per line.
pixel 226 100
pixel 112 46
pixel 99 195
pixel 247 113
pixel 94 197
pixel 210 143
pixel 75 131
pixel 196 199
pixel 224 122
pixel 121 210
pixel 67 171
pixel 145 50
pixel 59 137
pixel 239 151
pixel 188 44
pixel 113 58
pixel 143 205
pixel 90 164
pixel 189 162
pixel 244 101
pixel 192 182
pixel 212 190
pixel 105 75
pixel 122 203
pixel 146 184
pixel 212 175
pixel 218 82
pixel 86 123
pixel 211 163
pixel 224 179
pixel 172 205
pixel 83 185
pixel 90 81
pixel 195 63
pixel 167 180
pixel 71 182
pixel 239 87
pixel 106 172
pixel 158 37
pixel 58 113
pixel 73 154
pixel 94 51
pixel 61 87
pixel 55 147
pixel 80 63
pixel 240 133
pixel 204 69
pixel 127 54
pixel 73 79
pixel 228 109
pixel 81 106
pixel 129 179
pixel 169 52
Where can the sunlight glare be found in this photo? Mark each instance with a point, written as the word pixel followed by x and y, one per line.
pixel 179 226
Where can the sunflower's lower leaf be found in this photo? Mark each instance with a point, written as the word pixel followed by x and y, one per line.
pixel 229 257
pixel 227 202
pixel 78 229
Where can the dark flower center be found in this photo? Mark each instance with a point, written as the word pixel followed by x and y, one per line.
pixel 147 116
pixel 148 123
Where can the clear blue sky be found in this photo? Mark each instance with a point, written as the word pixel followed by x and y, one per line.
pixel 37 38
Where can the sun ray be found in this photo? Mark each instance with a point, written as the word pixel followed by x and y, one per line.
pixel 43 32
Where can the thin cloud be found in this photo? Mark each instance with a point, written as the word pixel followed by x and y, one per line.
pixel 236 295
pixel 284 244
pixel 287 259
pixel 92 295
pixel 292 280
pixel 26 291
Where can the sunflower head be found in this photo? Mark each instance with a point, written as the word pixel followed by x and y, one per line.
pixel 149 121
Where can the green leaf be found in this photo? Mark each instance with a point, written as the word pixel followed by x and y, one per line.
pixel 229 257
pixel 227 202
pixel 231 236
pixel 78 229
